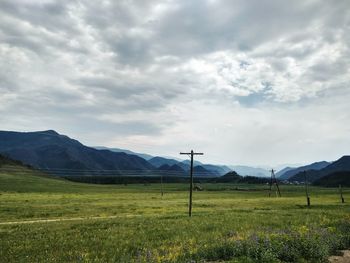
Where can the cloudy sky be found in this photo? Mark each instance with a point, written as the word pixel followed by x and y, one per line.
pixel 256 82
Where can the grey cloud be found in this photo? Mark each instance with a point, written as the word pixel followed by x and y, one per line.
pixel 13 34
pixel 123 90
pixel 122 128
pixel 43 28
pixel 129 94
pixel 132 66
pixel 58 107
pixel 132 50
pixel 197 27
pixel 325 70
pixel 253 99
pixel 7 82
pixel 52 16
pixel 43 44
pixel 189 29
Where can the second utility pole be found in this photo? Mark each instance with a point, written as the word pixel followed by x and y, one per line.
pixel 191 180
pixel 306 191
pixel 273 180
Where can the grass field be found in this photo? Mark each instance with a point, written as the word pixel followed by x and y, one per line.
pixel 134 223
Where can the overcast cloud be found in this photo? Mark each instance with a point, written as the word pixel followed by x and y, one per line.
pixel 246 82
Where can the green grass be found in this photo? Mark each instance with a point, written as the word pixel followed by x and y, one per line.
pixel 227 225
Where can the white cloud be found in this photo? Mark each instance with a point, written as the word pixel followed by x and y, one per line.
pixel 246 81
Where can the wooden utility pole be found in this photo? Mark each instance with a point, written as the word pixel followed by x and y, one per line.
pixel 191 180
pixel 161 184
pixel 341 194
pixel 306 190
pixel 273 180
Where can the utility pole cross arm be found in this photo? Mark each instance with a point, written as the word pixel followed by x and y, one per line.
pixel 193 153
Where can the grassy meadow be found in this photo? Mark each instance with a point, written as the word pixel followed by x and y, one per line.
pixel 134 223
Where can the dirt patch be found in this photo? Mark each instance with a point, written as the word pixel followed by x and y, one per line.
pixel 344 257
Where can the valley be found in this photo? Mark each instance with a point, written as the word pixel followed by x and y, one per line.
pixel 51 219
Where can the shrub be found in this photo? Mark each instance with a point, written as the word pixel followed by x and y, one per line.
pixel 292 245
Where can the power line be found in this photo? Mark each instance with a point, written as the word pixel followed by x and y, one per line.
pixel 73 172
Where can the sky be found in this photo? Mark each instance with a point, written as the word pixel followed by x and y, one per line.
pixel 259 82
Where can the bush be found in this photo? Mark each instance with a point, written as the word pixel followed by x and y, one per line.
pixel 292 245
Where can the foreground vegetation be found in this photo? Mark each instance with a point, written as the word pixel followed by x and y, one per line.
pixel 134 223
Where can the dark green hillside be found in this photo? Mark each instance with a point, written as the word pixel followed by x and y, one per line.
pixel 4 160
pixel 341 165
pixel 16 177
pixel 311 176
pixel 233 177
pixel 334 179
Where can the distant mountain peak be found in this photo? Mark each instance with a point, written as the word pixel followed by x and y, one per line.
pixel 159 161
pixel 287 174
pixel 344 158
pixel 342 165
pixel 118 150
pixel 51 132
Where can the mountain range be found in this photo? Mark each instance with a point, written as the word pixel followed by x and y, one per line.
pixel 159 161
pixel 284 170
pixel 312 175
pixel 50 150
pixel 251 171
pixel 289 172
pixel 118 150
pixel 62 155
